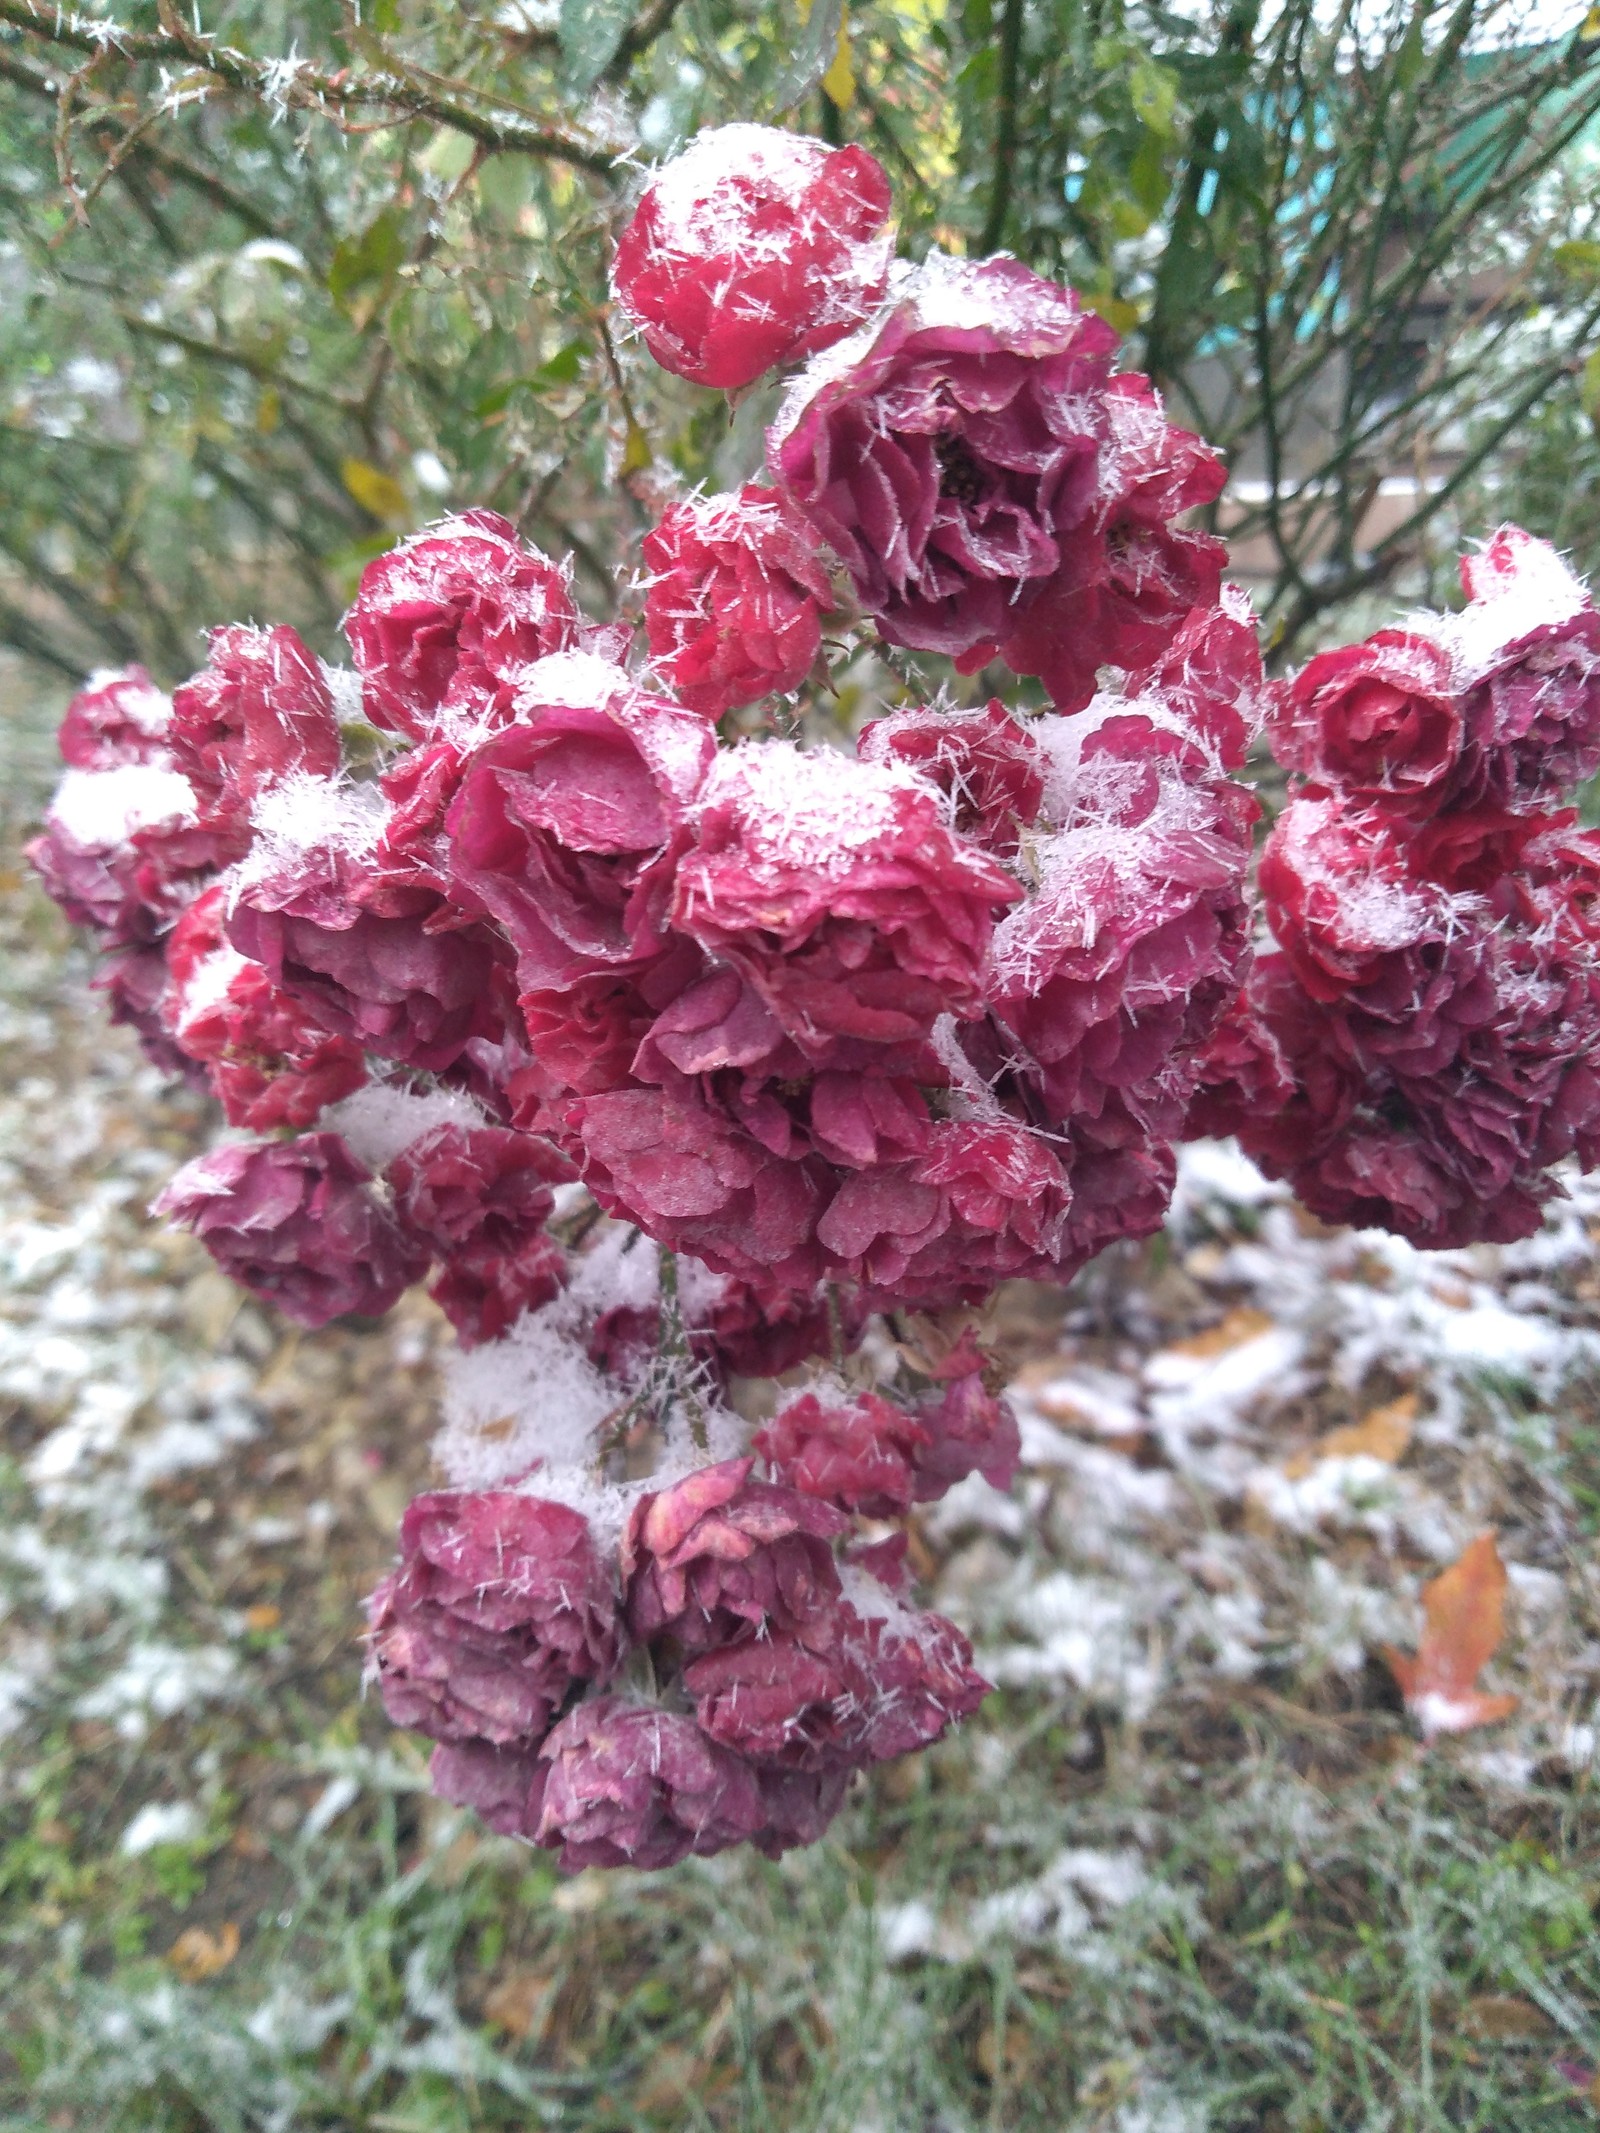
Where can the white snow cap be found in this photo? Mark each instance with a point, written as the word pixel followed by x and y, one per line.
pixel 102 809
pixel 817 810
pixel 1517 583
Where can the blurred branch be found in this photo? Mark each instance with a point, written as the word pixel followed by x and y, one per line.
pixel 1005 135
pixel 119 144
pixel 294 84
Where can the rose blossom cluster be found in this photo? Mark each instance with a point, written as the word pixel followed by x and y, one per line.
pixel 630 1673
pixel 1419 1050
pixel 669 1048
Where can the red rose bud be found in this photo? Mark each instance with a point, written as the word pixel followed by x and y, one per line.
pixel 441 621
pixel 752 248
pixel 735 597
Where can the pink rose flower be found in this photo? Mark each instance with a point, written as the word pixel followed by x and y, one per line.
pixel 1114 972
pixel 1243 1077
pixel 758 1329
pixel 565 825
pixel 1210 677
pixel 717 1556
pixel 866 1687
pixel 698 1184
pixel 1378 720
pixel 859 1454
pixel 984 1203
pixel 118 717
pixel 750 248
pixel 123 850
pixel 442 620
pixel 990 488
pixel 368 956
pixel 267 1062
pixel 479 1198
pixel 256 712
pixel 987 764
pixel 297 1224
pixel 1528 653
pixel 969 1429
pixel 735 597
pixel 504 1787
pixel 500 1606
pixel 836 891
pixel 631 1785
pixel 1409 965
pixel 134 981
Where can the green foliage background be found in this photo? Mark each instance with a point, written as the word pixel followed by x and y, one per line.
pixel 281 281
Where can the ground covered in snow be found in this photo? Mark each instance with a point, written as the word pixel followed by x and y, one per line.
pixel 1191 1868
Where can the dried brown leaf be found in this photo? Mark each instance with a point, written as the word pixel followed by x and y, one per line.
pixel 1384 1433
pixel 197 1954
pixel 1463 1623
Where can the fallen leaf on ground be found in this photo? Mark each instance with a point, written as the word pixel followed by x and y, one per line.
pixel 197 1954
pixel 1463 1623
pixel 1500 2016
pixel 1383 1434
pixel 519 2002
pixel 1241 1325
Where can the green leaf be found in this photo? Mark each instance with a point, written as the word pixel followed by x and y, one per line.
pixel 590 31
pixel 1580 258
pixel 367 264
pixel 1589 390
pixel 563 368
pixel 1412 55
pixel 1149 180
pixel 449 154
pixel 1153 92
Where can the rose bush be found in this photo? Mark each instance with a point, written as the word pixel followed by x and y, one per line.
pixel 681 1057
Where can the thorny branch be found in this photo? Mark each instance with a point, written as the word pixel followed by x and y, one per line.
pixel 294 84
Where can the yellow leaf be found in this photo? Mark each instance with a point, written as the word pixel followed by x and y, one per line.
pixel 520 2002
pixel 197 1954
pixel 269 408
pixel 1591 24
pixel 1244 1324
pixel 636 453
pixel 1115 310
pixel 376 491
pixel 1383 1434
pixel 1500 2016
pixel 839 82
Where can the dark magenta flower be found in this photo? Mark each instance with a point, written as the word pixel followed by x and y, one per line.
pixel 501 1605
pixel 632 1785
pixel 296 1223
pixel 717 1556
pixel 990 488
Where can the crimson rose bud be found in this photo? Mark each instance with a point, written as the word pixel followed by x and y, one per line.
pixel 751 248
pixel 736 591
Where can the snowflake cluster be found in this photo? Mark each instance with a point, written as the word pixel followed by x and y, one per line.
pixel 687 1061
